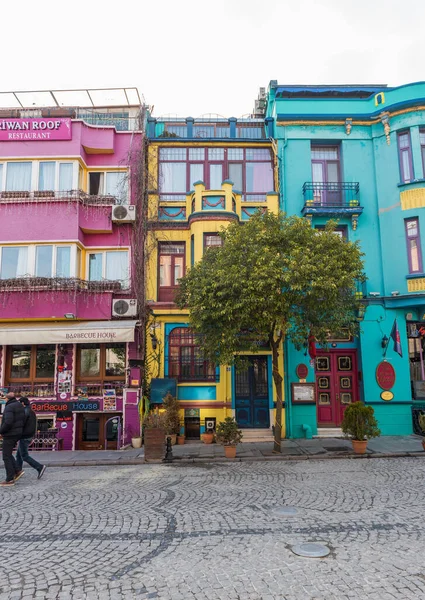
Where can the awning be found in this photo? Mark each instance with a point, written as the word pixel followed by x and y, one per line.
pixel 87 332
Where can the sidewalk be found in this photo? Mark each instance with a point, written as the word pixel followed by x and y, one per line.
pixel 197 452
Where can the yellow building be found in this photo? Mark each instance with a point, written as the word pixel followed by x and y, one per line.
pixel 204 174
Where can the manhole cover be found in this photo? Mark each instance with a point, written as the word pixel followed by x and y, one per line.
pixel 286 511
pixel 310 550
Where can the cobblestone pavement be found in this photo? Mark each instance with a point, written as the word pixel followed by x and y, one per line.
pixel 214 532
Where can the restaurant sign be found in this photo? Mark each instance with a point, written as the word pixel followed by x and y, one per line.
pixel 385 375
pixel 12 130
pixel 52 406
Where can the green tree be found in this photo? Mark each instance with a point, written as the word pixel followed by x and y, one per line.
pixel 274 277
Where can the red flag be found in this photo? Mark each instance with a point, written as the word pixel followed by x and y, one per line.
pixel 312 351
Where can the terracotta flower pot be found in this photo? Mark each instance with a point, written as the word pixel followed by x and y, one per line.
pixel 180 440
pixel 208 438
pixel 359 446
pixel 230 451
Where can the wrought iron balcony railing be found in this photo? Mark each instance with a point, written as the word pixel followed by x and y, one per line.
pixel 58 196
pixel 331 195
pixel 67 284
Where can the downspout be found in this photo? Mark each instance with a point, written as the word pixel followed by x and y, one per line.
pixel 307 430
pixel 287 391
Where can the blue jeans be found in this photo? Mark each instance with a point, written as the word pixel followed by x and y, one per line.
pixel 22 455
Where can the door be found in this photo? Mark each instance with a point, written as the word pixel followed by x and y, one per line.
pixel 336 385
pixel 91 431
pixel 325 173
pixel 252 394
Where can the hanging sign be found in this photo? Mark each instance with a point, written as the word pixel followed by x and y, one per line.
pixel 385 375
pixel 35 129
pixel 387 396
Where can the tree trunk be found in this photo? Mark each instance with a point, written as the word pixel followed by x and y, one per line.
pixel 278 379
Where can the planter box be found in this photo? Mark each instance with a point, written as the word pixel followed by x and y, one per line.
pixel 154 445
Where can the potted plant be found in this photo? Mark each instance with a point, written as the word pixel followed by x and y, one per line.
pixel 208 436
pixel 421 420
pixel 180 439
pixel 172 417
pixel 136 438
pixel 229 435
pixel 360 424
pixel 153 435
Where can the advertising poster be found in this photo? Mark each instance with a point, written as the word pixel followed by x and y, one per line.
pixel 109 400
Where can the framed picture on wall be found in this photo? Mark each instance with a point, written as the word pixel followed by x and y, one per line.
pixel 303 393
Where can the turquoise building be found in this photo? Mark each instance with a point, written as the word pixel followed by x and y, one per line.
pixel 357 154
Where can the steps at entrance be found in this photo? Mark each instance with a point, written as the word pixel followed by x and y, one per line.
pixel 257 435
pixel 329 432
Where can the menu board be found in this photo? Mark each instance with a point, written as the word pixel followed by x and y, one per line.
pixel 303 393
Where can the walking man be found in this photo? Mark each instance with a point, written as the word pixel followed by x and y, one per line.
pixel 11 429
pixel 28 433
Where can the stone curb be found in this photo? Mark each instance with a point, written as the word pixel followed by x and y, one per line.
pixel 223 460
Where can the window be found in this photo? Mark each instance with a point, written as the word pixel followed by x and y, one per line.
pixel 46 176
pixel 414 252
pixel 38 261
pixel 422 138
pixel 186 361
pixel 339 231
pixel 212 240
pixel 110 265
pixel 18 176
pixel 405 154
pixel 101 362
pixel 14 262
pixel 31 369
pixel 325 167
pixel 109 183
pixel 250 169
pixel 171 269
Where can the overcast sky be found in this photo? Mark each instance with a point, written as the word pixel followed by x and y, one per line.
pixel 191 57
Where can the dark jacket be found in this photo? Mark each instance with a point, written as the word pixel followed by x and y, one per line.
pixel 30 424
pixel 13 420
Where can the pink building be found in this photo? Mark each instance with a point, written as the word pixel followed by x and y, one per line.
pixel 68 312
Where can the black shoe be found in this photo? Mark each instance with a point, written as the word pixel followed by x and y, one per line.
pixel 41 473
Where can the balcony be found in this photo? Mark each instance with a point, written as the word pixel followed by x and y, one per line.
pixel 71 284
pixel 332 199
pixel 210 128
pixel 23 196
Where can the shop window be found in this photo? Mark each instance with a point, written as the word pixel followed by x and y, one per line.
pixel 171 269
pixel 100 364
pixel 110 265
pixel 405 157
pixel 30 369
pixel 414 252
pixel 186 360
pixel 45 422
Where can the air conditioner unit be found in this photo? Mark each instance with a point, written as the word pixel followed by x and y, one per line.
pixel 124 308
pixel 123 214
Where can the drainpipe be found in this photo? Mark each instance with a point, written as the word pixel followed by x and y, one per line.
pixel 288 404
pixel 307 430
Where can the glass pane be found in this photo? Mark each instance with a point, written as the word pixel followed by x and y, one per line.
pixel 95 267
pixel 196 153
pixel 178 268
pixel 117 185
pixel 63 261
pixel 165 271
pixel 216 153
pixel 172 154
pixel 171 248
pixel 412 228
pixel 406 165
pixel 259 177
pixel 216 176
pixel 317 171
pixel 235 154
pixel 332 172
pixel 212 239
pixel 89 361
pixel 235 175
pixel 18 176
pixel 21 359
pixel 414 256
pixel 185 362
pixel 257 154
pixel 403 140
pixel 172 177
pixel 196 174
pixel 43 261
pixel 14 262
pixel 1 177
pixel 115 360
pixel 45 362
pixel 65 176
pixel 46 176
pixel 117 266
pixel 324 153
pixel 91 427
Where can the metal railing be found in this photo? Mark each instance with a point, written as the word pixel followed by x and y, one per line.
pixel 58 196
pixel 71 284
pixel 32 390
pixel 328 195
pixel 96 389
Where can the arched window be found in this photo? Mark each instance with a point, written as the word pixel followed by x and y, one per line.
pixel 186 361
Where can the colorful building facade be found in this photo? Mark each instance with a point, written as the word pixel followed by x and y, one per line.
pixel 357 154
pixel 204 174
pixel 68 316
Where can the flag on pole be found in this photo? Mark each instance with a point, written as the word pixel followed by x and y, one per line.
pixel 395 335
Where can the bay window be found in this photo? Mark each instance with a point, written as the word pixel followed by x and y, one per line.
pixel 250 169
pixel 186 361
pixel 109 265
pixel 171 269
pixel 414 251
